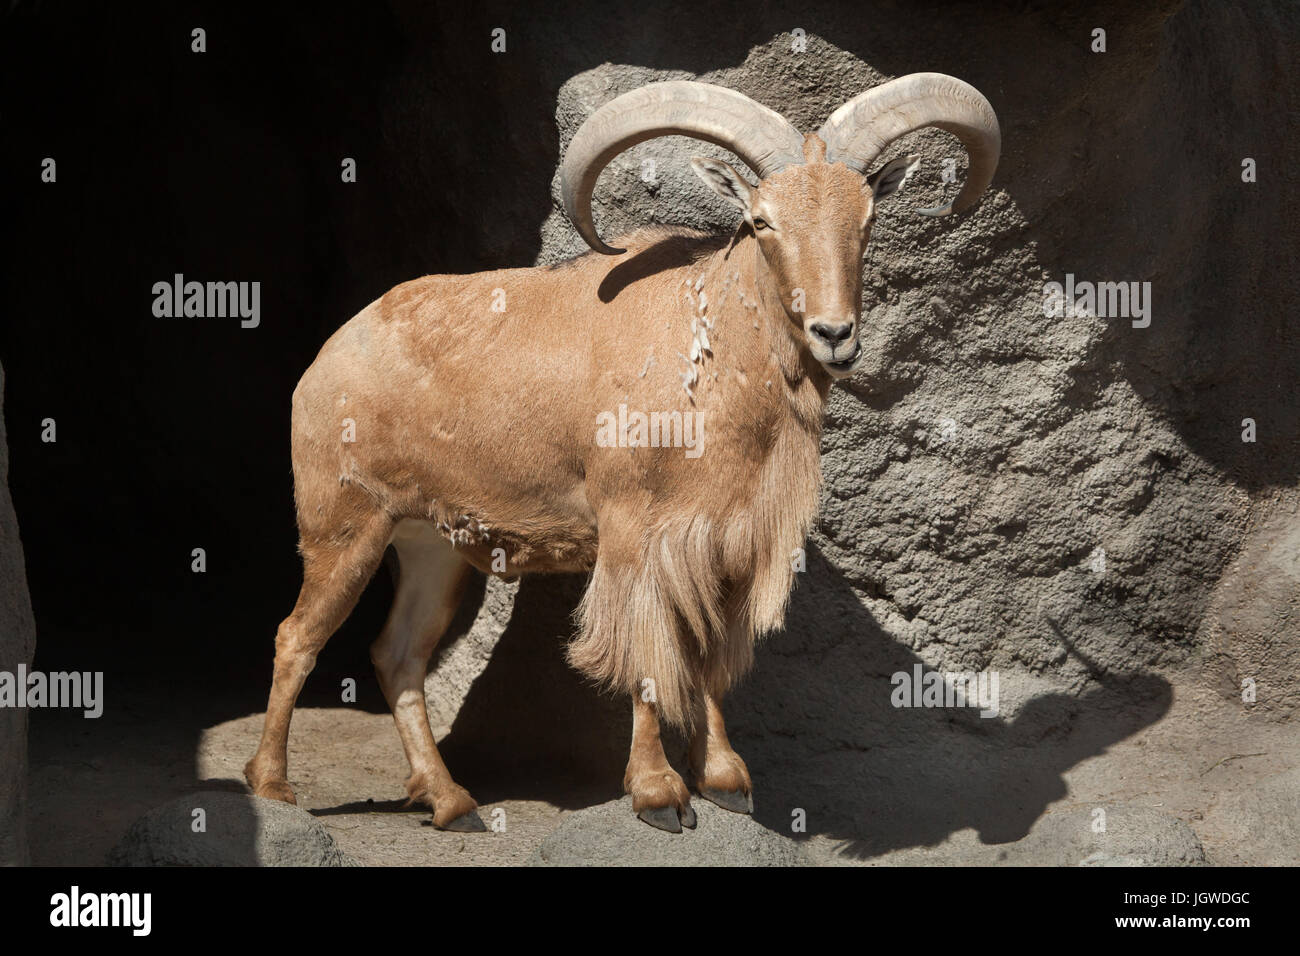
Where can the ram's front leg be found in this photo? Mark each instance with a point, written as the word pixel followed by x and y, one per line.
pixel 720 775
pixel 659 795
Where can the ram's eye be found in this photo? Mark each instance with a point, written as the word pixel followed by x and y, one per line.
pixel 761 224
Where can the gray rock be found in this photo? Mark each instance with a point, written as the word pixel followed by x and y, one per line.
pixel 611 835
pixel 1133 836
pixel 1256 610
pixel 17 645
pixel 1260 826
pixel 241 830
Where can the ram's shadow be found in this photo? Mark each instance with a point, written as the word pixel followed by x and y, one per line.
pixel 821 735
pixel 531 727
pixel 816 726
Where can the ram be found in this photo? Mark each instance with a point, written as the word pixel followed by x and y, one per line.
pixel 457 419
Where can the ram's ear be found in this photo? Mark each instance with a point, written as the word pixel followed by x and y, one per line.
pixel 890 177
pixel 724 181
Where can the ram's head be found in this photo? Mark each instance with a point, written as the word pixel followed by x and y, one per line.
pixel 812 210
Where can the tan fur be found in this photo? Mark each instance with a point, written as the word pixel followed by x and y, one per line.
pixel 483 423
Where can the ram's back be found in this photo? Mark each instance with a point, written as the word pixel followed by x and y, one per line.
pixel 476 398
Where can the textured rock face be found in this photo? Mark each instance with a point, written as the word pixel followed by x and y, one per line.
pixel 1051 497
pixel 1119 836
pixel 240 830
pixel 1264 822
pixel 17 644
pixel 1251 646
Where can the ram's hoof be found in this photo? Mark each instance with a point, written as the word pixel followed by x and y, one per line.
pixel 466 823
pixel 737 801
pixel 664 818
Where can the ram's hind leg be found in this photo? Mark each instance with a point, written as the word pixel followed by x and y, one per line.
pixel 430 581
pixel 336 566
pixel 659 796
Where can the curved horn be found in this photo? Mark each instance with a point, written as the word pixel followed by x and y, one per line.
pixel 762 138
pixel 859 131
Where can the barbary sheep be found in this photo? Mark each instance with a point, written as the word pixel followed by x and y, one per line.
pixel 653 419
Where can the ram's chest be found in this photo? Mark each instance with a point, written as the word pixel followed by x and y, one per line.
pixel 786 492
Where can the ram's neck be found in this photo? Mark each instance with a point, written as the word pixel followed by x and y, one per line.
pixel 762 397
pixel 738 305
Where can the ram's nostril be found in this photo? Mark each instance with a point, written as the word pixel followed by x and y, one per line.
pixel 833 334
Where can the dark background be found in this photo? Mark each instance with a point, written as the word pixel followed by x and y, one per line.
pixel 225 165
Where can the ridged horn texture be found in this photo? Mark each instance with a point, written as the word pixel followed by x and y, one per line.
pixel 858 132
pixel 763 139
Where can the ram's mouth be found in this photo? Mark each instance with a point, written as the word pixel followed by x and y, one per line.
pixel 844 366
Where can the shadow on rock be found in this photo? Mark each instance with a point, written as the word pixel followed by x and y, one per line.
pixel 814 721
pixel 531 727
pixel 821 735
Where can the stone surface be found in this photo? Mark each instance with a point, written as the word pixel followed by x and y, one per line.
pixel 17 645
pixel 1251 647
pixel 611 835
pixel 1133 836
pixel 1260 825
pixel 241 830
